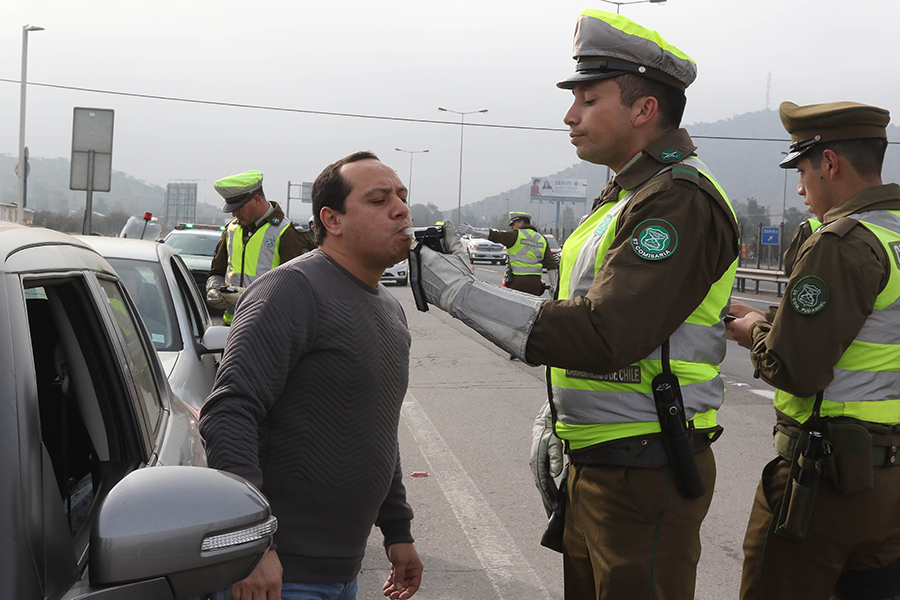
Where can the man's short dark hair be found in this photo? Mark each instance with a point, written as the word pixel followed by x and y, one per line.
pixel 866 156
pixel 671 101
pixel 331 189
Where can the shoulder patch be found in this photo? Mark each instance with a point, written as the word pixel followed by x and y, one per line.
pixel 839 227
pixel 809 295
pixel 687 173
pixel 654 239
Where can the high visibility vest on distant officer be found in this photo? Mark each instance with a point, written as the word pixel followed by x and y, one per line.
pixel 593 408
pixel 246 263
pixel 866 382
pixel 527 254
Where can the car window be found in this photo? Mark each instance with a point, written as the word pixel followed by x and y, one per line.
pixel 89 432
pixel 190 299
pixel 198 244
pixel 551 241
pixel 146 284
pixel 139 362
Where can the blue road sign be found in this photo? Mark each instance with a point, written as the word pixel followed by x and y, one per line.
pixel 769 236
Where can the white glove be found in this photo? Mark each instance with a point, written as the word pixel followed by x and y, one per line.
pixel 443 275
pixel 213 298
pixel 553 276
pixel 476 232
pixel 546 458
pixel 232 297
pixel 451 240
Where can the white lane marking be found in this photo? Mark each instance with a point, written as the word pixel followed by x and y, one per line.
pixel 503 562
pixel 764 393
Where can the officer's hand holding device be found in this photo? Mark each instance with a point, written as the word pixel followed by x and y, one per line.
pixel 503 316
pixel 213 297
pixel 231 293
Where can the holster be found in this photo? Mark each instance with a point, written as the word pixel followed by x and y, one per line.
pixel 677 442
pixel 802 486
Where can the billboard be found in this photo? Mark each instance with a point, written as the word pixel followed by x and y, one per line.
pixel 560 190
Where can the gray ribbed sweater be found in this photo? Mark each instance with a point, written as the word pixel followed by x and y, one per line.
pixel 306 406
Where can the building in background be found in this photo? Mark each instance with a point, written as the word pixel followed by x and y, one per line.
pixel 181 204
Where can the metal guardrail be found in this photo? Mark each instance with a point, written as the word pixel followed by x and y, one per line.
pixel 757 275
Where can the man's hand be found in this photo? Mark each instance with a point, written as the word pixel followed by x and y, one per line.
pixel 213 298
pixel 451 240
pixel 263 584
pixel 406 571
pixel 546 457
pixel 231 297
pixel 476 232
pixel 744 315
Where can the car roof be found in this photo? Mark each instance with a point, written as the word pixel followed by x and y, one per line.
pixel 203 232
pixel 34 249
pixel 115 247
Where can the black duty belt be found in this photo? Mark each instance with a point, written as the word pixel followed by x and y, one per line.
pixel 647 452
pixel 882 456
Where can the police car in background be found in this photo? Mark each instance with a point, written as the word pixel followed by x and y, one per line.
pixel 196 243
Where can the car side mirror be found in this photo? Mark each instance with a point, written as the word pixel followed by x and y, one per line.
pixel 199 529
pixel 214 339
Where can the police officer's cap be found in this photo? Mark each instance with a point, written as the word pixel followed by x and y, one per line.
pixel 516 216
pixel 238 189
pixel 831 122
pixel 607 45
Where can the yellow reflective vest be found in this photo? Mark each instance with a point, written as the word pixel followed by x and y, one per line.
pixel 866 384
pixel 593 408
pixel 246 263
pixel 527 254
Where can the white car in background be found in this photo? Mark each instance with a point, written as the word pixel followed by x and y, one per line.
pixel 485 250
pixel 196 243
pixel 175 314
pixel 398 274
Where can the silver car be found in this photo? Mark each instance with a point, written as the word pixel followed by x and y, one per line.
pixel 487 251
pixel 105 493
pixel 398 273
pixel 196 244
pixel 189 345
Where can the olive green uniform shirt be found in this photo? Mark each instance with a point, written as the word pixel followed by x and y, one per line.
pixel 291 244
pixel 797 352
pixel 635 304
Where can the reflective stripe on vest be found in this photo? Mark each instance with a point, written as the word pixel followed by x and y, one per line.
pixel 866 382
pixel 526 254
pixel 260 255
pixel 593 408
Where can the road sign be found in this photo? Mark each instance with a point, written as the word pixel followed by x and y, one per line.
pixel 769 236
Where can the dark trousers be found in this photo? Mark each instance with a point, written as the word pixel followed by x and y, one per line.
pixel 630 535
pixel 859 531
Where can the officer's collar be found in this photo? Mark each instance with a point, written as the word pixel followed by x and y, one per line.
pixel 671 148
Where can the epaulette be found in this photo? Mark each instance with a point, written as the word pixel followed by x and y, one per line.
pixel 686 172
pixel 839 227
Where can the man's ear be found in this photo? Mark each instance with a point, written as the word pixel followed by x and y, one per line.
pixel 644 110
pixel 331 220
pixel 832 163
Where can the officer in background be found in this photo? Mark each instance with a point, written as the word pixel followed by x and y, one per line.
pixel 258 239
pixel 644 286
pixel 826 517
pixel 529 253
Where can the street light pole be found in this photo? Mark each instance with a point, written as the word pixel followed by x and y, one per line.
pixel 23 166
pixel 619 4
pixel 409 183
pixel 462 121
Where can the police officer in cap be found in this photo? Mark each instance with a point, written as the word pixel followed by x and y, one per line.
pixel 258 239
pixel 826 518
pixel 644 287
pixel 529 253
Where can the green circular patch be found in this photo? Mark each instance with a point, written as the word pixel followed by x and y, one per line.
pixel 809 295
pixel 654 239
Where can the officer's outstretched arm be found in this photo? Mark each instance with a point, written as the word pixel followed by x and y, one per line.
pixel 501 315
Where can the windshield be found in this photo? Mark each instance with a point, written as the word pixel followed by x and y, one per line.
pixel 147 287
pixel 551 241
pixel 197 244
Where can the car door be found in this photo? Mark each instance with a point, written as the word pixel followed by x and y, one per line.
pixel 87 414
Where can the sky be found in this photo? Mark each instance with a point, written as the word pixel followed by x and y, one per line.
pixel 398 60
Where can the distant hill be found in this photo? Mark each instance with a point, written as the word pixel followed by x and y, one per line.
pixel 48 189
pixel 744 168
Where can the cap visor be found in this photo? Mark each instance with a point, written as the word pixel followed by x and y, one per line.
pixel 790 161
pixel 571 82
pixel 233 206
